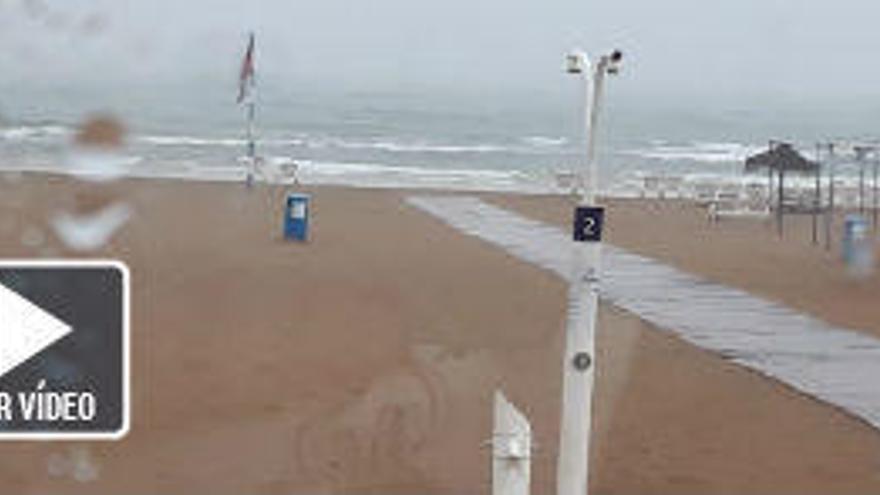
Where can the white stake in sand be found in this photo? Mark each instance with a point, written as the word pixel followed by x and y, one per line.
pixel 572 473
pixel 511 449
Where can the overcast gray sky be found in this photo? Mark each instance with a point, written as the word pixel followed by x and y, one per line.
pixel 675 47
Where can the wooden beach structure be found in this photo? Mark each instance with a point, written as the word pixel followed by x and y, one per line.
pixel 836 159
pixel 779 160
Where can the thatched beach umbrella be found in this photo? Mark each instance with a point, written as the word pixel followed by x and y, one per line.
pixel 781 158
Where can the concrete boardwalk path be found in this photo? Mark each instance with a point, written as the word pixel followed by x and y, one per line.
pixel 835 365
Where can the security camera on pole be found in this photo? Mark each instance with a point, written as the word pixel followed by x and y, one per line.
pixel 583 297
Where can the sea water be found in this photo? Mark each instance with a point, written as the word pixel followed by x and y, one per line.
pixel 416 137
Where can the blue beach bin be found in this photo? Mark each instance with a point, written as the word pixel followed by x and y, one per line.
pixel 296 217
pixel 858 252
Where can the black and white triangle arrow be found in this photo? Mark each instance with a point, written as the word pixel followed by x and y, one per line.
pixel 25 329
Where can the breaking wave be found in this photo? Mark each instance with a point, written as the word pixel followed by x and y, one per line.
pixel 708 152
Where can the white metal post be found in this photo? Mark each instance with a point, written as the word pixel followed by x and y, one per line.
pixel 511 449
pixel 593 106
pixel 251 144
pixel 579 364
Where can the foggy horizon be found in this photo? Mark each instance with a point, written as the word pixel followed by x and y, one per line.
pixel 734 50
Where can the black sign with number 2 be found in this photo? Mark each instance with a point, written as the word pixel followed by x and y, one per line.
pixel 588 222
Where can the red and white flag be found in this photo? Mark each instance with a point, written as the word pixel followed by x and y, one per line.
pixel 246 76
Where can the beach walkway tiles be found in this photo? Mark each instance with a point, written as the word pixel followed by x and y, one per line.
pixel 832 364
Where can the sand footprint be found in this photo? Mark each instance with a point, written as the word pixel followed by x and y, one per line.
pixel 376 437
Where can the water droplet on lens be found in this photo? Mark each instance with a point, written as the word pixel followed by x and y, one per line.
pixel 96 154
pixel 88 232
pixel 32 237
pixel 57 465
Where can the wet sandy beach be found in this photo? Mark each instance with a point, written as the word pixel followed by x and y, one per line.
pixel 365 360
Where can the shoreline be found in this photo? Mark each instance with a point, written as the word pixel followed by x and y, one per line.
pixel 636 185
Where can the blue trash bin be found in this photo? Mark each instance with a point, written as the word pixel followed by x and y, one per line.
pixel 296 217
pixel 856 246
pixel 854 227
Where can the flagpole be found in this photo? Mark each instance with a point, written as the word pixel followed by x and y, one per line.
pixel 251 143
pixel 246 84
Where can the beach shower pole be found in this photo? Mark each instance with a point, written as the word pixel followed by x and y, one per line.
pixel 829 216
pixel 861 187
pixel 861 153
pixel 822 203
pixel 572 475
pixel 780 201
pixel 817 199
pixel 874 190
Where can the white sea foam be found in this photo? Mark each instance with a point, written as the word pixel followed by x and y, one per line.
pixel 403 147
pixel 221 142
pixel 545 141
pixel 529 144
pixel 35 132
pixel 319 142
pixel 415 162
pixel 309 172
pixel 99 166
pixel 708 152
pixel 375 175
pixel 364 174
pixel 190 141
pixel 342 168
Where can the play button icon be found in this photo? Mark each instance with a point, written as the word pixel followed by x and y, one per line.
pixel 26 329
pixel 64 350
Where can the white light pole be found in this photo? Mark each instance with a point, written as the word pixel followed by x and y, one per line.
pixel 572 473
